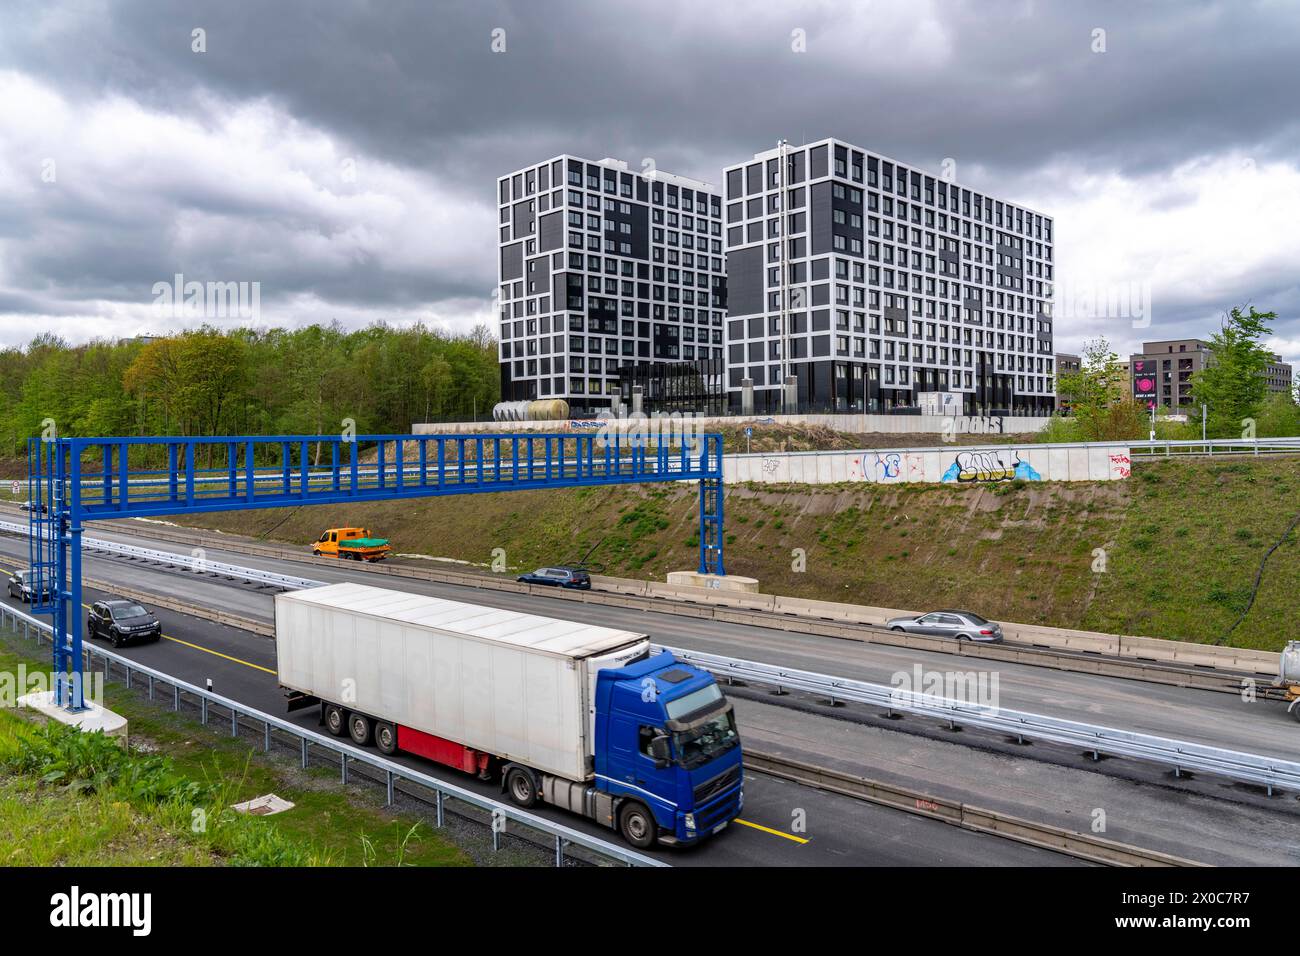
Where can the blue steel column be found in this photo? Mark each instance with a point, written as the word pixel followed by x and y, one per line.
pixel 59 586
pixel 78 701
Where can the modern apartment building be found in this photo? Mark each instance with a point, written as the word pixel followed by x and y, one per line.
pixel 1068 364
pixel 882 281
pixel 1279 375
pixel 1162 373
pixel 601 267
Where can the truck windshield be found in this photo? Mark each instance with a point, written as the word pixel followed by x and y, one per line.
pixel 714 736
pixel 680 707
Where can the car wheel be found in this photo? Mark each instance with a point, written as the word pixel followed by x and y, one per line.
pixel 315 553
pixel 962 637
pixel 637 825
pixel 359 729
pixel 898 629
pixel 334 721
pixel 385 738
pixel 522 788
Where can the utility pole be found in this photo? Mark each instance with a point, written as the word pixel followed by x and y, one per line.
pixel 1203 414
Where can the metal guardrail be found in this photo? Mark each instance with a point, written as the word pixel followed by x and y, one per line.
pixel 1264 771
pixel 1084 846
pixel 1214 447
pixel 393 772
pixel 188 562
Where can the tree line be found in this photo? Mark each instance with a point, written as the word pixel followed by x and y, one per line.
pixel 207 381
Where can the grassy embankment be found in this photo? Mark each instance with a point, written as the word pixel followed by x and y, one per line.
pixel 1182 542
pixel 71 799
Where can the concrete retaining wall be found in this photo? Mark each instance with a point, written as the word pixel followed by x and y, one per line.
pixel 857 424
pixel 959 464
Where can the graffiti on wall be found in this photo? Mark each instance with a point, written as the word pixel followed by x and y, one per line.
pixel 990 466
pixel 1121 466
pixel 888 467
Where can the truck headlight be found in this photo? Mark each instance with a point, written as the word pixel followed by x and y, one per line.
pixel 740 800
pixel 689 820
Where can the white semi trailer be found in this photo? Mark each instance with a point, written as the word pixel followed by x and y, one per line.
pixel 571 714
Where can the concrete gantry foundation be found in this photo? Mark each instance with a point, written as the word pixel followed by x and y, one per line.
pixel 92 718
pixel 712 582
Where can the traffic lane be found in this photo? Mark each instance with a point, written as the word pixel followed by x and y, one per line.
pixel 839 830
pixel 1213 719
pixel 235 597
pixel 1057 786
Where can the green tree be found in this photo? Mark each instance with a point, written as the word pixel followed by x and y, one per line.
pixel 1232 383
pixel 1096 394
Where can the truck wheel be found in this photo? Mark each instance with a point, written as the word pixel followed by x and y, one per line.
pixel 1295 711
pixel 522 787
pixel 385 738
pixel 334 721
pixel 637 825
pixel 359 729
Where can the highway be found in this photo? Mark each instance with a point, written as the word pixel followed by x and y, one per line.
pixel 1214 719
pixel 242 665
pixel 840 831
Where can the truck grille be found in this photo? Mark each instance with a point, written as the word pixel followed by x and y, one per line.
pixel 710 788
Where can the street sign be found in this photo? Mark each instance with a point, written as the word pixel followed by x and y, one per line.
pixel 749 433
pixel 16 487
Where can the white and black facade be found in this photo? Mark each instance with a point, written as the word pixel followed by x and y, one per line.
pixel 894 281
pixel 599 268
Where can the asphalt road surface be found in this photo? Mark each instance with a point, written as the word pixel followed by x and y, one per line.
pixel 835 830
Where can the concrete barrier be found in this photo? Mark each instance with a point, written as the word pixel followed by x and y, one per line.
pixel 956 464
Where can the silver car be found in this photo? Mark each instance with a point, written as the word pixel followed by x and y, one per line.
pixel 959 625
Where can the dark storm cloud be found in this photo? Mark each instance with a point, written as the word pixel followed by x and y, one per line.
pixel 1006 88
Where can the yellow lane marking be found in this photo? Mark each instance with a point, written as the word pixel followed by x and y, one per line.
pixel 787 836
pixel 177 640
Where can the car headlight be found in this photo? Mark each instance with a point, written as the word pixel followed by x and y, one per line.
pixel 689 820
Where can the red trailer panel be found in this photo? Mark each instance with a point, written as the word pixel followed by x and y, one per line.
pixel 443 751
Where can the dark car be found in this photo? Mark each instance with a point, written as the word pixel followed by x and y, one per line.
pixel 23 583
pixel 122 622
pixel 960 625
pixel 27 506
pixel 558 577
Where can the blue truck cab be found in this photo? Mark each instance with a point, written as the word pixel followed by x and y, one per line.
pixel 666 740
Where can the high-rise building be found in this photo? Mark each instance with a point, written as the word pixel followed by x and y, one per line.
pixel 881 282
pixel 601 267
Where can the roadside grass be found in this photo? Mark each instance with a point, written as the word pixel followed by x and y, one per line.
pixel 1184 562
pixel 168 803
pixel 1182 542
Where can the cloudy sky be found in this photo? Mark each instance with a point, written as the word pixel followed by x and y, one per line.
pixel 343 154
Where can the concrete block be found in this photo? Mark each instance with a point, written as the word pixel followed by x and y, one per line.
pixel 93 718
pixel 713 582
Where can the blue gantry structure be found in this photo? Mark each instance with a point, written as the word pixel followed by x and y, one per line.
pixel 74 480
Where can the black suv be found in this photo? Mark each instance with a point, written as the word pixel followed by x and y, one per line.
pixel 558 577
pixel 122 622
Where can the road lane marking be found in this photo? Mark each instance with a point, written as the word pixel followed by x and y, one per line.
pixel 758 826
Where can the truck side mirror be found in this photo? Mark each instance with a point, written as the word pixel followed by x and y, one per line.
pixel 659 751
